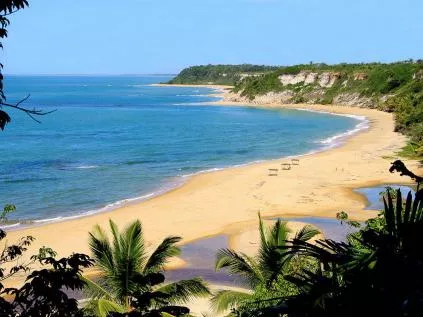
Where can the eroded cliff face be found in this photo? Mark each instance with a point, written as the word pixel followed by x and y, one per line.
pixel 326 79
pixel 289 97
pixel 267 99
pixel 311 87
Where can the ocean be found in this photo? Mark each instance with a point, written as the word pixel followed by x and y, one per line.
pixel 116 140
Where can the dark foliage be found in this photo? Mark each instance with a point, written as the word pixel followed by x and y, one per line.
pixel 43 293
pixel 4 119
pixel 144 298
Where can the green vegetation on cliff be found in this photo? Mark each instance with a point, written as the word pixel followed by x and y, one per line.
pixel 395 87
pixel 219 74
pixel 369 80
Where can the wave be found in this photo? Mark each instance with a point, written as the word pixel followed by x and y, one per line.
pixel 106 208
pixel 10 226
pixel 86 166
pixel 338 139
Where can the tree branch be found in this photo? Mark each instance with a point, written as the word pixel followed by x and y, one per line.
pixel 29 112
pixel 399 166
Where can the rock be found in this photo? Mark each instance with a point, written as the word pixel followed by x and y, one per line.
pixel 360 76
pixel 326 79
pixel 353 100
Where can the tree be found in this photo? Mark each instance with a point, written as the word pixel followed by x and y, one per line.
pixel 264 271
pixel 8 7
pixel 43 293
pixel 131 279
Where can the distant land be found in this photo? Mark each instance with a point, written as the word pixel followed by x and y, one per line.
pixel 220 74
pixel 395 87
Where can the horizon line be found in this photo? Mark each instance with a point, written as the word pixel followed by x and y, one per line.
pixel 90 74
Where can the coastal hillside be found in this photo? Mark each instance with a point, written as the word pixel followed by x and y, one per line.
pixel 220 74
pixel 395 87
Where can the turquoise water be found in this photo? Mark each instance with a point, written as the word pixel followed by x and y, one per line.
pixel 116 139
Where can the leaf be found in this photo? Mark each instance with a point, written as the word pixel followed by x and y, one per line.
pixel 183 291
pixel 307 232
pixel 239 264
pixel 96 290
pixel 4 119
pixel 103 307
pixel 166 250
pixel 224 300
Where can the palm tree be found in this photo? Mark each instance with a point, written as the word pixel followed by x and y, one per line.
pixel 264 269
pixel 379 271
pixel 132 279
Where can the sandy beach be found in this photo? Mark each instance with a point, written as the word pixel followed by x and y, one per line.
pixel 227 201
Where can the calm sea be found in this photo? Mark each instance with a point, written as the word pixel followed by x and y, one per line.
pixel 116 139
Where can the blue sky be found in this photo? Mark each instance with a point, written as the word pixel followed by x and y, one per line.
pixel 164 36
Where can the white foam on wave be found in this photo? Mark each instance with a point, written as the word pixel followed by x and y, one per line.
pixel 10 226
pixel 338 139
pixel 86 166
pixel 108 207
pixel 49 219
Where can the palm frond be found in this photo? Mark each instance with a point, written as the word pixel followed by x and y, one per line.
pixel 224 300
pixel 132 241
pixel 101 250
pixel 306 233
pixel 116 236
pixel 398 212
pixel 270 256
pixel 122 261
pixel 272 262
pixel 96 291
pixel 239 264
pixel 129 259
pixel 264 231
pixel 103 307
pixel 166 250
pixel 279 233
pixel 389 214
pixel 407 209
pixel 183 291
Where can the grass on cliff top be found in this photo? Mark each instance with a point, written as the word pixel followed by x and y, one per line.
pixel 219 74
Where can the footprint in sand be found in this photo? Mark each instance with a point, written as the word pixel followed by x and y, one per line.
pixel 259 185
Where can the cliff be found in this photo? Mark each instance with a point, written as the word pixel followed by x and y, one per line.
pixel 395 87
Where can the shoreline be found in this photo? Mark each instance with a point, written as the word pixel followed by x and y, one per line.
pixel 326 144
pixel 214 203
